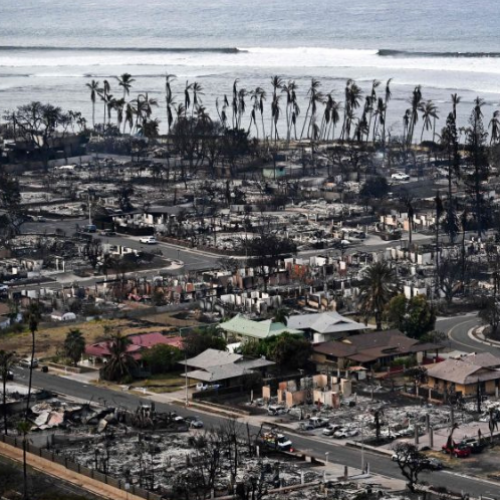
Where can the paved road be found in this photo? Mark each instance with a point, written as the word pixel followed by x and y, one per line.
pixel 192 259
pixel 457 329
pixel 337 453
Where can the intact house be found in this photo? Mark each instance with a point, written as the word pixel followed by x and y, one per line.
pixel 245 329
pixel 326 326
pixel 370 349
pixel 100 352
pixel 223 368
pixel 465 375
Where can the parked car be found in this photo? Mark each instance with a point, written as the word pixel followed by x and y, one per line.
pixel 317 422
pixel 433 463
pixel 458 450
pixel 148 240
pixel 275 410
pixel 197 424
pixel 330 430
pixel 107 232
pixel 399 176
pixel 25 363
pixel 10 375
pixel 474 444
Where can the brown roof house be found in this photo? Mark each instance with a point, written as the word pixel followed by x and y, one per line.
pixel 462 376
pixel 368 349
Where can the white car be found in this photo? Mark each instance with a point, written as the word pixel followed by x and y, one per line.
pixel 399 176
pixel 149 240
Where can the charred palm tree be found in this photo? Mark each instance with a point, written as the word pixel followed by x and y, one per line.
pixel 94 91
pixel 169 101
pixel 277 84
pixel 125 81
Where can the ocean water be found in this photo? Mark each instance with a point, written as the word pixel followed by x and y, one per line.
pixel 49 49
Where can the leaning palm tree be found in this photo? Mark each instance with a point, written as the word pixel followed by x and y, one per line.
pixel 314 97
pixel 7 360
pixel 120 363
pixel 379 285
pixel 387 98
pixel 94 91
pixel 169 100
pixel 125 81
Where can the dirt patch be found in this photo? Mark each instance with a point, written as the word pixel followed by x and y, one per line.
pixel 49 340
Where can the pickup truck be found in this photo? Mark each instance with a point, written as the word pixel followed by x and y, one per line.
pixel 276 441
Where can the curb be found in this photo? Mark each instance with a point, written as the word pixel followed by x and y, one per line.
pixel 473 336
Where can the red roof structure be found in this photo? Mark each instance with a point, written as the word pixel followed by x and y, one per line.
pixel 139 343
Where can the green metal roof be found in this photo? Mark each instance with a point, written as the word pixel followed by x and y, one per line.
pixel 245 327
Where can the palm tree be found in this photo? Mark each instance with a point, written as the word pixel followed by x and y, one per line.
pixel 429 115
pixel 275 115
pixel 234 103
pixel 129 116
pixel 33 316
pixel 494 125
pixel 197 92
pixel 455 101
pixel 118 105
pixel 187 97
pixel 94 90
pixel 315 96
pixel 120 363
pixel 222 113
pixel 277 83
pixel 373 100
pixel 352 102
pixel 104 94
pixel 406 125
pixel 379 285
pixel 242 93
pixel 169 101
pixel 388 95
pixel 415 107
pixel 125 81
pixel 23 428
pixel 256 98
pixel 262 98
pixel 6 363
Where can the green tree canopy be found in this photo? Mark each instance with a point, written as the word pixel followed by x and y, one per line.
pixel 200 340
pixel 287 350
pixel 414 317
pixel 161 358
pixel 74 345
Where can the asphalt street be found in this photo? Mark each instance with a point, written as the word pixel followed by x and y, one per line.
pixel 337 453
